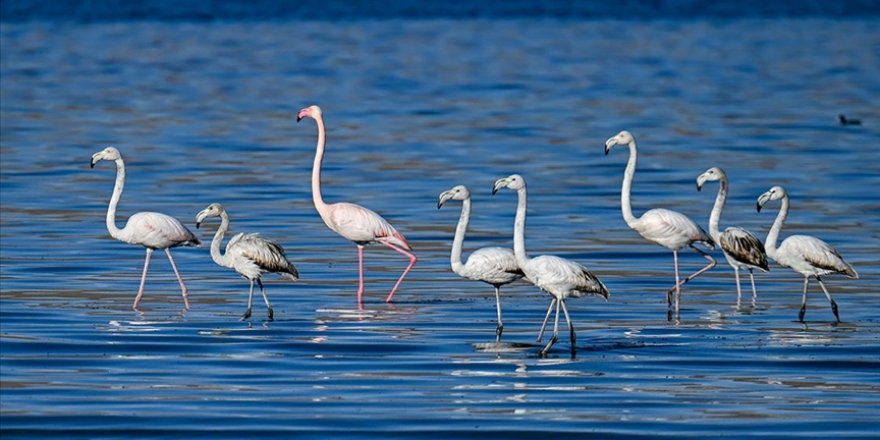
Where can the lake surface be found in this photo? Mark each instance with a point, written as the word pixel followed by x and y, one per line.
pixel 205 112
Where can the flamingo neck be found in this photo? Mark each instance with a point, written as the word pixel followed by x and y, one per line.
pixel 626 188
pixel 519 229
pixel 773 235
pixel 219 258
pixel 316 169
pixel 114 201
pixel 458 241
pixel 715 216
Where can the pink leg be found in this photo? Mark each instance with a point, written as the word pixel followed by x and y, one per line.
pixel 360 293
pixel 179 279
pixel 412 262
pixel 137 299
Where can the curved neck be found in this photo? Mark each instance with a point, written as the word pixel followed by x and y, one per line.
pixel 114 201
pixel 773 235
pixel 458 241
pixel 316 168
pixel 218 238
pixel 715 216
pixel 519 229
pixel 626 189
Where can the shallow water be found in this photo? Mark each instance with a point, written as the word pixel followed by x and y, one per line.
pixel 206 112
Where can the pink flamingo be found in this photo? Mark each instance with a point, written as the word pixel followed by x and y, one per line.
pixel 354 222
pixel 151 230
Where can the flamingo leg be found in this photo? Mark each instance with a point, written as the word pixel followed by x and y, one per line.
pixel 555 336
pixel 179 279
pixel 571 333
pixel 247 313
pixel 137 298
pixel 412 262
pixel 546 318
pixel 266 300
pixel 674 290
pixel 711 264
pixel 754 290
pixel 738 289
pixel 830 299
pixel 360 292
pixel 500 327
pixel 804 300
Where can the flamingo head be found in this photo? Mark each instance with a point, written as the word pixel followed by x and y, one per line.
pixel 513 181
pixel 711 175
pixel 459 192
pixel 213 210
pixel 622 138
pixel 775 193
pixel 109 153
pixel 312 111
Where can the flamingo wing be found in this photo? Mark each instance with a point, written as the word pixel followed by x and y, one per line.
pixel 493 265
pixel 560 276
pixel 362 225
pixel 744 247
pixel 158 231
pixel 818 254
pixel 267 255
pixel 671 229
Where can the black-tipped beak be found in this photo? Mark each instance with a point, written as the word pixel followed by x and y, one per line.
pixel 494 190
pixel 299 118
pixel 699 187
pixel 198 224
pixel 91 164
pixel 758 206
pixel 439 204
pixel 607 150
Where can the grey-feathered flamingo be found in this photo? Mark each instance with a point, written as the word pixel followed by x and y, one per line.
pixel 557 276
pixel 492 265
pixel 741 248
pixel 151 230
pixel 669 229
pixel 354 222
pixel 804 254
pixel 248 254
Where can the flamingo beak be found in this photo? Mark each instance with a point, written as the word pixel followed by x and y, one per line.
pixel 500 183
pixel 610 143
pixel 302 114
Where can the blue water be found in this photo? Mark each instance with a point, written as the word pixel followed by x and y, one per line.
pixel 205 112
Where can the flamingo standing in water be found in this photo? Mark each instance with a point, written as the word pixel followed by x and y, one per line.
pixel 557 276
pixel 151 230
pixel 248 254
pixel 804 254
pixel 354 222
pixel 669 229
pixel 741 248
pixel 492 265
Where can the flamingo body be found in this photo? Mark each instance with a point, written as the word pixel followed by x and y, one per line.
pixel 493 265
pixel 559 277
pixel 351 221
pixel 669 229
pixel 151 230
pixel 806 255
pixel 248 254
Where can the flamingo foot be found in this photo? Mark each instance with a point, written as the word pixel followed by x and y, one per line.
pixel 271 314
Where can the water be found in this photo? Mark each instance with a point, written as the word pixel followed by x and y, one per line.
pixel 204 112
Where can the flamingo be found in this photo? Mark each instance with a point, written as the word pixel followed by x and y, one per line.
pixel 669 229
pixel 351 221
pixel 248 254
pixel 557 276
pixel 741 248
pixel 492 265
pixel 804 254
pixel 152 230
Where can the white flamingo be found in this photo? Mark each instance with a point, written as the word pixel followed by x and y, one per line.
pixel 741 248
pixel 557 276
pixel 804 254
pixel 354 222
pixel 669 229
pixel 248 254
pixel 151 230
pixel 492 265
